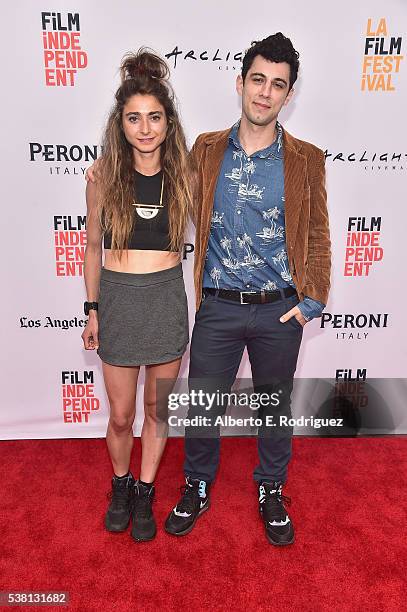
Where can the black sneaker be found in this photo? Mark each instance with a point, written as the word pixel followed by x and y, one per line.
pixel 118 514
pixel 144 527
pixel 279 528
pixel 193 503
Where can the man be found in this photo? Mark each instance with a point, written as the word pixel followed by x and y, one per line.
pixel 262 268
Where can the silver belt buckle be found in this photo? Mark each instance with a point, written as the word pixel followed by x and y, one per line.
pixel 242 293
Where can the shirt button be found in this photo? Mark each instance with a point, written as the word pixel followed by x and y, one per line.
pixel 248 159
pixel 239 212
pixel 248 286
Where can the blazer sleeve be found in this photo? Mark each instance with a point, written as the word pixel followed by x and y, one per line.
pixel 318 270
pixel 195 156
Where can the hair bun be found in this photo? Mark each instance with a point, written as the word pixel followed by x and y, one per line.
pixel 143 63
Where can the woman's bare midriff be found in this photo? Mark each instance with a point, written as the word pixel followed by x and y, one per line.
pixel 139 261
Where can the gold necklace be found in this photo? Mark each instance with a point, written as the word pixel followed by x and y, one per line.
pixel 160 205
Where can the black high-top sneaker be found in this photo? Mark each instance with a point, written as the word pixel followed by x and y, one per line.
pixel 118 514
pixel 193 503
pixel 144 527
pixel 279 528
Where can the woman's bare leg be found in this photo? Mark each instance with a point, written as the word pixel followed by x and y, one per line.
pixel 121 388
pixel 155 427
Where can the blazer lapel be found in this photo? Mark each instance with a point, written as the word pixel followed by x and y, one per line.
pixel 295 170
pixel 212 164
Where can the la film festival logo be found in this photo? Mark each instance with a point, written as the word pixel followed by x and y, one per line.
pixel 63 54
pixel 222 59
pixel 363 248
pixel 355 326
pixel 382 57
pixel 69 244
pixel 78 396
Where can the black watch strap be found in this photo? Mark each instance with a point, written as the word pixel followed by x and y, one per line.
pixel 89 306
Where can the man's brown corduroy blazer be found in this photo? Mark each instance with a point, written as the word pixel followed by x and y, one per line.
pixel 306 218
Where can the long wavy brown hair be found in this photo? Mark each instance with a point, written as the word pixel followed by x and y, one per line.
pixel 143 73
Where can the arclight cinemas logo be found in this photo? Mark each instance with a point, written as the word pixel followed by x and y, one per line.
pixel 63 54
pixel 61 157
pixel 368 160
pixel 355 325
pixel 78 396
pixel 362 245
pixel 222 59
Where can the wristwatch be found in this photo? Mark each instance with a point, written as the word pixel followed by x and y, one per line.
pixel 89 306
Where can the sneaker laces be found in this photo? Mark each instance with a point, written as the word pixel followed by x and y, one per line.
pixel 274 503
pixel 142 502
pixel 189 500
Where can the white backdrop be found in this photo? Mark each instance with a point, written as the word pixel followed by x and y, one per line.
pixel 363 132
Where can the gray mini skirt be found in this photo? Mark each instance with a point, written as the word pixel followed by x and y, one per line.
pixel 143 318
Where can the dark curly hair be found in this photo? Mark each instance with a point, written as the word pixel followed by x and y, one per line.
pixel 275 48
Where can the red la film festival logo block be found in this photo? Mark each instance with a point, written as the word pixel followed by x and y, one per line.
pixel 382 57
pixel 69 243
pixel 63 55
pixel 362 245
pixel 78 396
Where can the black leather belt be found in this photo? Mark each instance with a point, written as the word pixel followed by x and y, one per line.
pixel 251 297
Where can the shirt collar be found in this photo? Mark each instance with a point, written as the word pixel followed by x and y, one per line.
pixel 275 149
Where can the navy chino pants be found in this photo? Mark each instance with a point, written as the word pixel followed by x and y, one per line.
pixel 222 330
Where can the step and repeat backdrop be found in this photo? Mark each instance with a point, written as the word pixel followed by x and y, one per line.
pixel 60 64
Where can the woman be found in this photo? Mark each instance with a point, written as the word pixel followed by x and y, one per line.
pixel 136 302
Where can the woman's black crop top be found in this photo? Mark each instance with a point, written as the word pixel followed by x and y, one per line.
pixel 150 227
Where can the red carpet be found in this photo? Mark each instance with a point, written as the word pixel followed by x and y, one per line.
pixel 349 508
